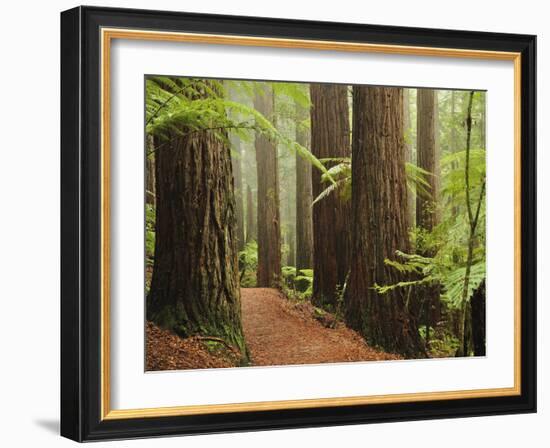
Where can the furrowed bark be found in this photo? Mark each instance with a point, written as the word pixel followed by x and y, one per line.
pixel 330 138
pixel 269 221
pixel 195 288
pixel 379 223
pixel 427 216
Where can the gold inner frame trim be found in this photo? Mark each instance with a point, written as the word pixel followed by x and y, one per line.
pixel 107 35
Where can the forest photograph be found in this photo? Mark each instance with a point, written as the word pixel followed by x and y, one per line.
pixel 291 223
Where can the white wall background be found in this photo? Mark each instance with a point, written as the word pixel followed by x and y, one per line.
pixel 29 220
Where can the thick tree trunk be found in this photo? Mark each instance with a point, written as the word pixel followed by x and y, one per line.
pixel 250 216
pixel 195 288
pixel 478 320
pixel 330 138
pixel 427 216
pixel 269 222
pixel 238 182
pixel 379 222
pixel 304 197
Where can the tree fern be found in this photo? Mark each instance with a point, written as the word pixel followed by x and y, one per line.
pixel 182 110
pixel 450 239
pixel 339 176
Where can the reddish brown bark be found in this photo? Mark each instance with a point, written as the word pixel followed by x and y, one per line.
pixel 379 222
pixel 269 222
pixel 409 154
pixel 194 288
pixel 427 216
pixel 304 197
pixel 330 138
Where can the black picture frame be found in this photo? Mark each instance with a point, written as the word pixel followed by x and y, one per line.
pixel 81 223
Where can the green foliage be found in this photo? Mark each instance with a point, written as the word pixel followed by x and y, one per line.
pixel 177 106
pixel 340 174
pixel 454 283
pixel 445 346
pixel 442 342
pixel 306 276
pixel 175 103
pixel 297 284
pixel 439 270
pixel 452 107
pixel 149 234
pixel 449 240
pixel 297 92
pixel 417 180
pixel 185 105
pixel 149 244
pixel 248 264
pixel 452 167
pixel 289 275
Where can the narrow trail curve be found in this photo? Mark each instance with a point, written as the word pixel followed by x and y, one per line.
pixel 279 333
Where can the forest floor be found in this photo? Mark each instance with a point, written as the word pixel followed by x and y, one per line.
pixel 167 351
pixel 278 331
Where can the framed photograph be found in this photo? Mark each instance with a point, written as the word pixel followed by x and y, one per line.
pixel 276 224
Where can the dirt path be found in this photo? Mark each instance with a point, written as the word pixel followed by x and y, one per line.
pixel 279 332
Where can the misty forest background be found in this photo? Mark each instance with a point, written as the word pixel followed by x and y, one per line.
pixel 275 208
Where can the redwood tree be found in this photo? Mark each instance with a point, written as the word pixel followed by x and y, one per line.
pixel 330 138
pixel 195 289
pixel 379 222
pixel 269 222
pixel 304 196
pixel 409 153
pixel 427 216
